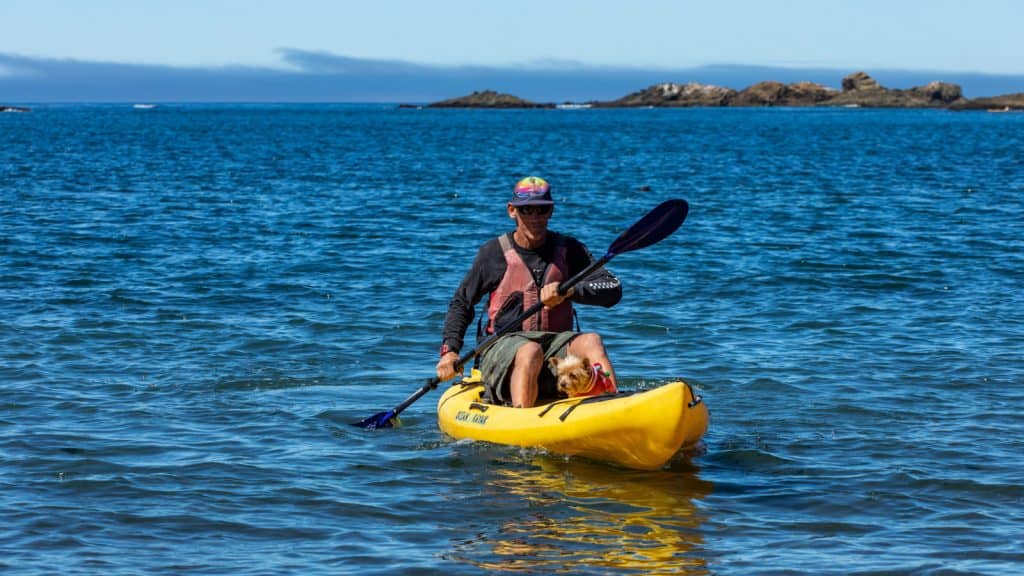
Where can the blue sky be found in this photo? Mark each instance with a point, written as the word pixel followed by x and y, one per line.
pixel 941 37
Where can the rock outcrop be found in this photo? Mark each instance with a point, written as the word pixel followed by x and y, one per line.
pixel 861 82
pixel 859 90
pixel 488 99
pixel 779 94
pixel 1006 103
pixel 942 92
pixel 862 90
pixel 673 95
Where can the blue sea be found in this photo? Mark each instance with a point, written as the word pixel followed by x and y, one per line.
pixel 196 301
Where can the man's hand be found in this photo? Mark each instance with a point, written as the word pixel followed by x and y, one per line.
pixel 550 297
pixel 446 366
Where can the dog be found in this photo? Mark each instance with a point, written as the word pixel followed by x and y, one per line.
pixel 578 377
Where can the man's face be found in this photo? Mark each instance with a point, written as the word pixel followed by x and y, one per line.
pixel 531 218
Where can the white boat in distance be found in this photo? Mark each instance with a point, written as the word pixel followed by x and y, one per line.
pixel 143 106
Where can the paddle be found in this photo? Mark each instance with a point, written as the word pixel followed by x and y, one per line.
pixel 657 225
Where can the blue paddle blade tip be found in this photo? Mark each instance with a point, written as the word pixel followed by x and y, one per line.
pixel 654 227
pixel 381 420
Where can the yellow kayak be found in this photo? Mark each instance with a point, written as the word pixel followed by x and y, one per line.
pixel 640 430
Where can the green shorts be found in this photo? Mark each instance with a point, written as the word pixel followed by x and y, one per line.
pixel 496 364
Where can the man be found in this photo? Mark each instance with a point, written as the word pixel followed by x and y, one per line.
pixel 518 269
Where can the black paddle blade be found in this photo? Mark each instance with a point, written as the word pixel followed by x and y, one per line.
pixel 657 225
pixel 386 419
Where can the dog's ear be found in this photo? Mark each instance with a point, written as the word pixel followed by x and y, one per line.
pixel 553 362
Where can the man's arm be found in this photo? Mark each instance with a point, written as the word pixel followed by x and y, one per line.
pixel 483 277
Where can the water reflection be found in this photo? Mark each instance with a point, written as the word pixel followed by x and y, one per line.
pixel 571 516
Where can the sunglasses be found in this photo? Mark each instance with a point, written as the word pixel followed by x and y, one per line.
pixel 531 210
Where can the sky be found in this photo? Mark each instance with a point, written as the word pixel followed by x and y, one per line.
pixel 52 39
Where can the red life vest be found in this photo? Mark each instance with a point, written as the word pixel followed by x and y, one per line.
pixel 518 278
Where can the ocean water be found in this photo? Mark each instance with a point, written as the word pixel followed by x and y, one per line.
pixel 197 300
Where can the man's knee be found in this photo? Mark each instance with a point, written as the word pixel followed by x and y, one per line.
pixel 531 352
pixel 588 341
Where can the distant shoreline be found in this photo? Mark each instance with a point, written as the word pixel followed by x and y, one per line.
pixel 859 90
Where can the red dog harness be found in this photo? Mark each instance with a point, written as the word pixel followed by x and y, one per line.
pixel 600 382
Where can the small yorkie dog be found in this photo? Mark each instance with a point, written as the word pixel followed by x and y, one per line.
pixel 578 377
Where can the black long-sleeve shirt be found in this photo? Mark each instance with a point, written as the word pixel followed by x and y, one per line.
pixel 601 288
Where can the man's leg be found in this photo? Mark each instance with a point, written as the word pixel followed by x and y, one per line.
pixel 589 345
pixel 523 380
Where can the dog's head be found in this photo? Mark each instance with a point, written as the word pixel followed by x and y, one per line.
pixel 573 374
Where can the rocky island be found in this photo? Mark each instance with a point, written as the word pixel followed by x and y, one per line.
pixel 488 99
pixel 859 90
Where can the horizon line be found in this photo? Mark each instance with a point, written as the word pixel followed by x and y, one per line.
pixel 325 77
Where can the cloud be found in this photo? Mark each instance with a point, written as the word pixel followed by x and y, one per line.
pixel 327 63
pixel 310 76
